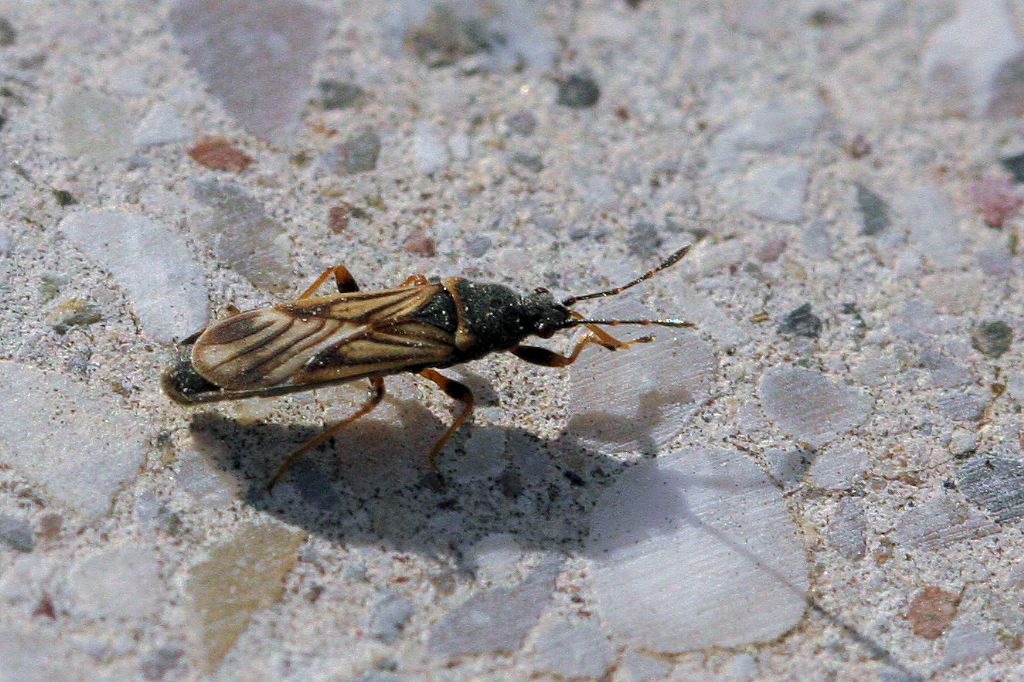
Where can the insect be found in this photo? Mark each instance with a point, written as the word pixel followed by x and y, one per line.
pixel 419 326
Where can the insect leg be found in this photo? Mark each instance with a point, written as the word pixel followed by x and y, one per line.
pixel 549 358
pixel 608 341
pixel 455 391
pixel 418 280
pixel 376 395
pixel 342 277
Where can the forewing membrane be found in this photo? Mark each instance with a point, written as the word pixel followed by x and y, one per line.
pixel 324 339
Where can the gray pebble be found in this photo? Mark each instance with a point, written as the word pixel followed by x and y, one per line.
pixel 801 322
pixel 962 406
pixel 389 615
pixel 8 36
pixel 847 530
pixel 578 91
pixel 496 620
pixel 788 467
pixel 992 338
pixel 971 65
pixel 806 405
pixel 161 125
pixel 478 245
pixel 357 154
pixel 874 211
pixel 522 123
pixel 531 162
pixel 839 467
pixel 644 240
pixel 16 533
pixel 962 443
pixel 151 263
pixel 939 522
pixel 256 58
pixel 994 482
pixel 1015 165
pixel 243 236
pixel 969 642
pixel 815 239
pixel 93 125
pixel 571 650
pixel 339 94
pixel 156 664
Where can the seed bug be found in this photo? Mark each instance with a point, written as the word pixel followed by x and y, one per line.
pixel 418 327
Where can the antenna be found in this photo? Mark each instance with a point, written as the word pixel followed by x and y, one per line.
pixel 670 261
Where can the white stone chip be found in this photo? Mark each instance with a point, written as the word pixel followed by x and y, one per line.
pixel 121 582
pixel 837 468
pixel 429 150
pixel 151 263
pixel 161 125
pixel 776 191
pixel 808 406
pixel 639 398
pixel 571 650
pixel 693 550
pixel 928 216
pixel 783 125
pixel 968 642
pixel 965 58
pixel 79 449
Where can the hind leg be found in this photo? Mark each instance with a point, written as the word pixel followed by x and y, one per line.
pixel 342 277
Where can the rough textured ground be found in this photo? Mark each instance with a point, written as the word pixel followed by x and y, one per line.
pixel 823 480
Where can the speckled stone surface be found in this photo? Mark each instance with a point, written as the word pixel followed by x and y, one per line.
pixel 820 481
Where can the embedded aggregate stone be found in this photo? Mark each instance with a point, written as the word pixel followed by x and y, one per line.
pixel 257 59
pixel 992 338
pixel 810 407
pixel 971 65
pixel 776 191
pixel 696 549
pixel 578 91
pixel 939 522
pixel 121 582
pixel 162 124
pixel 779 126
pixel 151 263
pixel 668 381
pixel 928 216
pixel 496 619
pixel 16 533
pixel 801 321
pixel 429 150
pixel 969 642
pixel 846 532
pixel 79 451
pixel 874 211
pixel 243 235
pixel 995 483
pixel 240 576
pixel 93 126
pixel 571 650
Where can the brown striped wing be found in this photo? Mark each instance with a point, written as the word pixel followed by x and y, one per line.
pixel 324 339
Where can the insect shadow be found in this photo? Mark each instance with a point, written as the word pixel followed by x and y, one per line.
pixel 374 485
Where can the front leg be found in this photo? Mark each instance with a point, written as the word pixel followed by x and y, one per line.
pixel 548 358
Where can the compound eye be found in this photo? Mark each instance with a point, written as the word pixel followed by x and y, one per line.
pixel 545 331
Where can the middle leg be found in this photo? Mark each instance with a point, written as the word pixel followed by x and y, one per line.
pixel 455 391
pixel 342 277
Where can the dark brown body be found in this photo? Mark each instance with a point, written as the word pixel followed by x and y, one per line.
pixel 417 327
pixel 327 340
